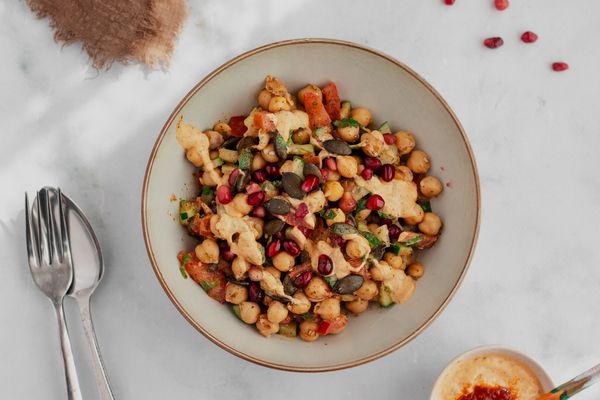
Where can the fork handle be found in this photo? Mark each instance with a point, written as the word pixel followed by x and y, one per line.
pixel 102 383
pixel 73 389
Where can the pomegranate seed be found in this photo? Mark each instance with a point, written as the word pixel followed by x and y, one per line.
pixel 493 42
pixel 273 248
pixel 305 231
pixel 255 293
pixel 387 172
pixel 560 66
pixel 279 235
pixel 228 255
pixel 259 176
pixel 529 37
pixel 291 247
pixel 272 171
pixel 233 176
pixel 310 183
pixel 224 195
pixel 366 174
pixel 347 203
pixel 375 202
pixel 325 173
pixel 255 199
pixel 372 163
pixel 302 210
pixel 252 187
pixel 302 280
pixel 501 5
pixel 338 240
pixel 394 231
pixel 389 138
pixel 331 164
pixel 325 265
pixel 259 212
pixel 448 2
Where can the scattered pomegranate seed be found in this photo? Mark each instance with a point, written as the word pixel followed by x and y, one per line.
pixel 259 176
pixel 302 280
pixel 449 184
pixel 305 231
pixel 375 202
pixel 372 163
pixel 325 265
pixel 259 212
pixel 227 254
pixel 272 171
pixel 366 174
pixel 501 5
pixel 252 187
pixel 347 203
pixel 273 248
pixel 302 210
pixel 255 199
pixel 224 195
pixel 338 240
pixel 386 221
pixel 387 172
pixel 560 66
pixel 310 183
pixel 448 2
pixel 394 231
pixel 233 176
pixel 389 138
pixel 325 173
pixel 529 37
pixel 255 293
pixel 493 42
pixel 291 247
pixel 331 164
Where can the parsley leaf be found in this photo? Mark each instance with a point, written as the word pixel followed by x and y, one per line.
pixel 346 122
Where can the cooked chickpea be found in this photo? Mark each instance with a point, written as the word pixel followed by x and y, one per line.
pixel 418 162
pixel 302 304
pixel 277 312
pixel 431 186
pixel 273 271
pixel 239 267
pixel 361 115
pixel 347 166
pixel 240 203
pixel 317 289
pixel 328 309
pixel 258 162
pixel 283 261
pixel 339 216
pixel 367 291
pixel 333 176
pixel 264 98
pixel 309 89
pixel 249 312
pixel 266 327
pixel 415 270
pixel 315 201
pixel 403 173
pixel 333 190
pixel 417 218
pixel 235 294
pixel 373 143
pixel 278 103
pixel 357 306
pixel 215 139
pixel 357 249
pixel 405 142
pixel 431 224
pixel 301 136
pixel 208 177
pixel 349 133
pixel 208 251
pixel 394 260
pixel 268 153
pixel 223 128
pixel 308 331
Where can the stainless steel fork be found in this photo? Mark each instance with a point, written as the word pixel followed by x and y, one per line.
pixel 51 268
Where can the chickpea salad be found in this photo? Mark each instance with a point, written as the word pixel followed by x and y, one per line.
pixel 305 212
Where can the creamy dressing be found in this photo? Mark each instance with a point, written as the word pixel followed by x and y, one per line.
pixel 273 287
pixel 246 245
pixel 191 138
pixel 400 286
pixel 286 121
pixel 400 196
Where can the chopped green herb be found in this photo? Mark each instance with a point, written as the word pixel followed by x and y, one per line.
pixel 331 280
pixel 413 241
pixel 183 272
pixel 186 259
pixel 361 204
pixel 395 248
pixel 384 215
pixel 307 316
pixel 346 122
pixel 206 191
pixel 276 183
pixel 207 285
pixel 372 239
pixel 183 216
pixel 330 214
pixel 425 205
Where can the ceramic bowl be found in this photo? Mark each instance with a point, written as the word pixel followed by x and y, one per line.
pixel 524 359
pixel 394 93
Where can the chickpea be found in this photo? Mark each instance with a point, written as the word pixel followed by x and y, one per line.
pixel 208 251
pixel 431 224
pixel 405 142
pixel 333 190
pixel 381 271
pixel 317 289
pixel 249 312
pixel 357 306
pixel 308 331
pixel 403 173
pixel 333 176
pixel 417 218
pixel 208 179
pixel 283 261
pixel 347 166
pixel 406 254
pixel 266 327
pixel 277 312
pixel 223 128
pixel 215 139
pixel 373 143
pixel 309 89
pixel 357 248
pixel 235 294
pixel 367 291
pixel 239 267
pixel 278 103
pixel 361 115
pixel 394 260
pixel 302 304
pixel 301 136
pixel 328 309
pixel 418 162
pixel 258 162
pixel 273 271
pixel 240 203
pixel 264 98
pixel 268 153
pixel 431 186
pixel 339 216
pixel 415 270
pixel 349 133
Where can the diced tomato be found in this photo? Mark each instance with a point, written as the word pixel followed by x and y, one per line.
pixel 332 100
pixel 264 120
pixel 323 327
pixel 213 282
pixel 237 125
pixel 317 114
pixel 337 325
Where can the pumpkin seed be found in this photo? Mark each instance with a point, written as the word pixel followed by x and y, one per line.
pixel 288 286
pixel 348 284
pixel 231 142
pixel 278 206
pixel 273 226
pixel 292 185
pixel 246 141
pixel 241 181
pixel 342 229
pixel 312 169
pixel 378 251
pixel 241 283
pixel 280 146
pixel 337 147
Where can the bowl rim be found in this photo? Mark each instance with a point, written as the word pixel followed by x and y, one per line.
pixel 202 83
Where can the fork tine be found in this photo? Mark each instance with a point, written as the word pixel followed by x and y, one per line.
pixel 55 225
pixel 31 253
pixel 43 227
pixel 64 231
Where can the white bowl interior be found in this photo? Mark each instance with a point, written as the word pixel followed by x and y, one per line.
pixel 392 93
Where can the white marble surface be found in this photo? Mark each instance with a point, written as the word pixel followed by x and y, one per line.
pixel 534 283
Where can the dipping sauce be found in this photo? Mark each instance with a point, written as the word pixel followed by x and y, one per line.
pixel 488 377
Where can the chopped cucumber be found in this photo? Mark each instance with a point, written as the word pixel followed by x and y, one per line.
pixel 245 160
pixel 345 109
pixel 385 128
pixel 236 311
pixel 385 299
pixel 187 210
pixel 301 149
pixel 372 239
pixel 288 330
pixel 230 156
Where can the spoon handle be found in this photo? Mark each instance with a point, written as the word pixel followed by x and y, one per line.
pixel 101 379
pixel 575 385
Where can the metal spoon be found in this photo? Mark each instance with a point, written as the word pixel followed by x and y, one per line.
pixel 575 385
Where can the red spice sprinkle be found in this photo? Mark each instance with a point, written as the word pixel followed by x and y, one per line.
pixel 449 184
pixel 529 37
pixel 448 2
pixel 560 66
pixel 493 42
pixel 501 5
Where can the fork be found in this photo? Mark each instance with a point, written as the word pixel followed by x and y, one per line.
pixel 48 252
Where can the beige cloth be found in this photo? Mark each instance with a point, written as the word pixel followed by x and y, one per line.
pixel 116 30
